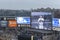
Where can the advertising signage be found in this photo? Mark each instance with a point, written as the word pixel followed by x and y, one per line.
pixel 56 22
pixel 23 20
pixel 3 23
pixel 12 23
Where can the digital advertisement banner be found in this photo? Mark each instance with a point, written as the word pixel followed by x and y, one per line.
pixel 3 23
pixel 23 20
pixel 12 23
pixel 56 22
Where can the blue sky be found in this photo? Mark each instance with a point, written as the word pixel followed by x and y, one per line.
pixel 29 4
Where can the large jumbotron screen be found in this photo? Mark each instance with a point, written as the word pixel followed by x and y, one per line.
pixel 41 20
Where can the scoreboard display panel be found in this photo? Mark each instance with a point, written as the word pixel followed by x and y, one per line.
pixel 41 20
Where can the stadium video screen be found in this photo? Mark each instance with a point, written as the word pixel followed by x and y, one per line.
pixel 41 20
pixel 23 20
pixel 56 22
